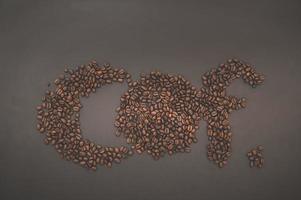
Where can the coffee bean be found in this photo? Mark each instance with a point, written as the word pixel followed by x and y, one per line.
pixel 260 148
pixel 252 163
pixel 76 109
pixel 213 114
pixel 117 133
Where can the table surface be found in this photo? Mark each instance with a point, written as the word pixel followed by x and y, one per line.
pixel 39 38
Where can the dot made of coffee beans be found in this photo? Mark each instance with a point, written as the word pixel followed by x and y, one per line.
pixel 255 157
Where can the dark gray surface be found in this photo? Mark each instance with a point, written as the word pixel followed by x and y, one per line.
pixel 37 38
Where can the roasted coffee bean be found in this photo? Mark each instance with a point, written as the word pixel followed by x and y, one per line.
pixel 58 115
pixel 260 148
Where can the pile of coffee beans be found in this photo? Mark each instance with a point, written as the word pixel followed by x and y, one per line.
pixel 255 157
pixel 58 115
pixel 219 105
pixel 159 114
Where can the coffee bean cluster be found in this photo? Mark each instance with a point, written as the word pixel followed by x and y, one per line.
pixel 159 114
pixel 255 157
pixel 58 115
pixel 218 105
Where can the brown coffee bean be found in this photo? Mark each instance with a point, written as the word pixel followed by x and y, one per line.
pixel 260 148
pixel 117 133
pixel 252 163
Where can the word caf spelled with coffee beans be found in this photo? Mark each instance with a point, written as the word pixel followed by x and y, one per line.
pixel 158 114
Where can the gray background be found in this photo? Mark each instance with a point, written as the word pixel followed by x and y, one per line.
pixel 38 38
